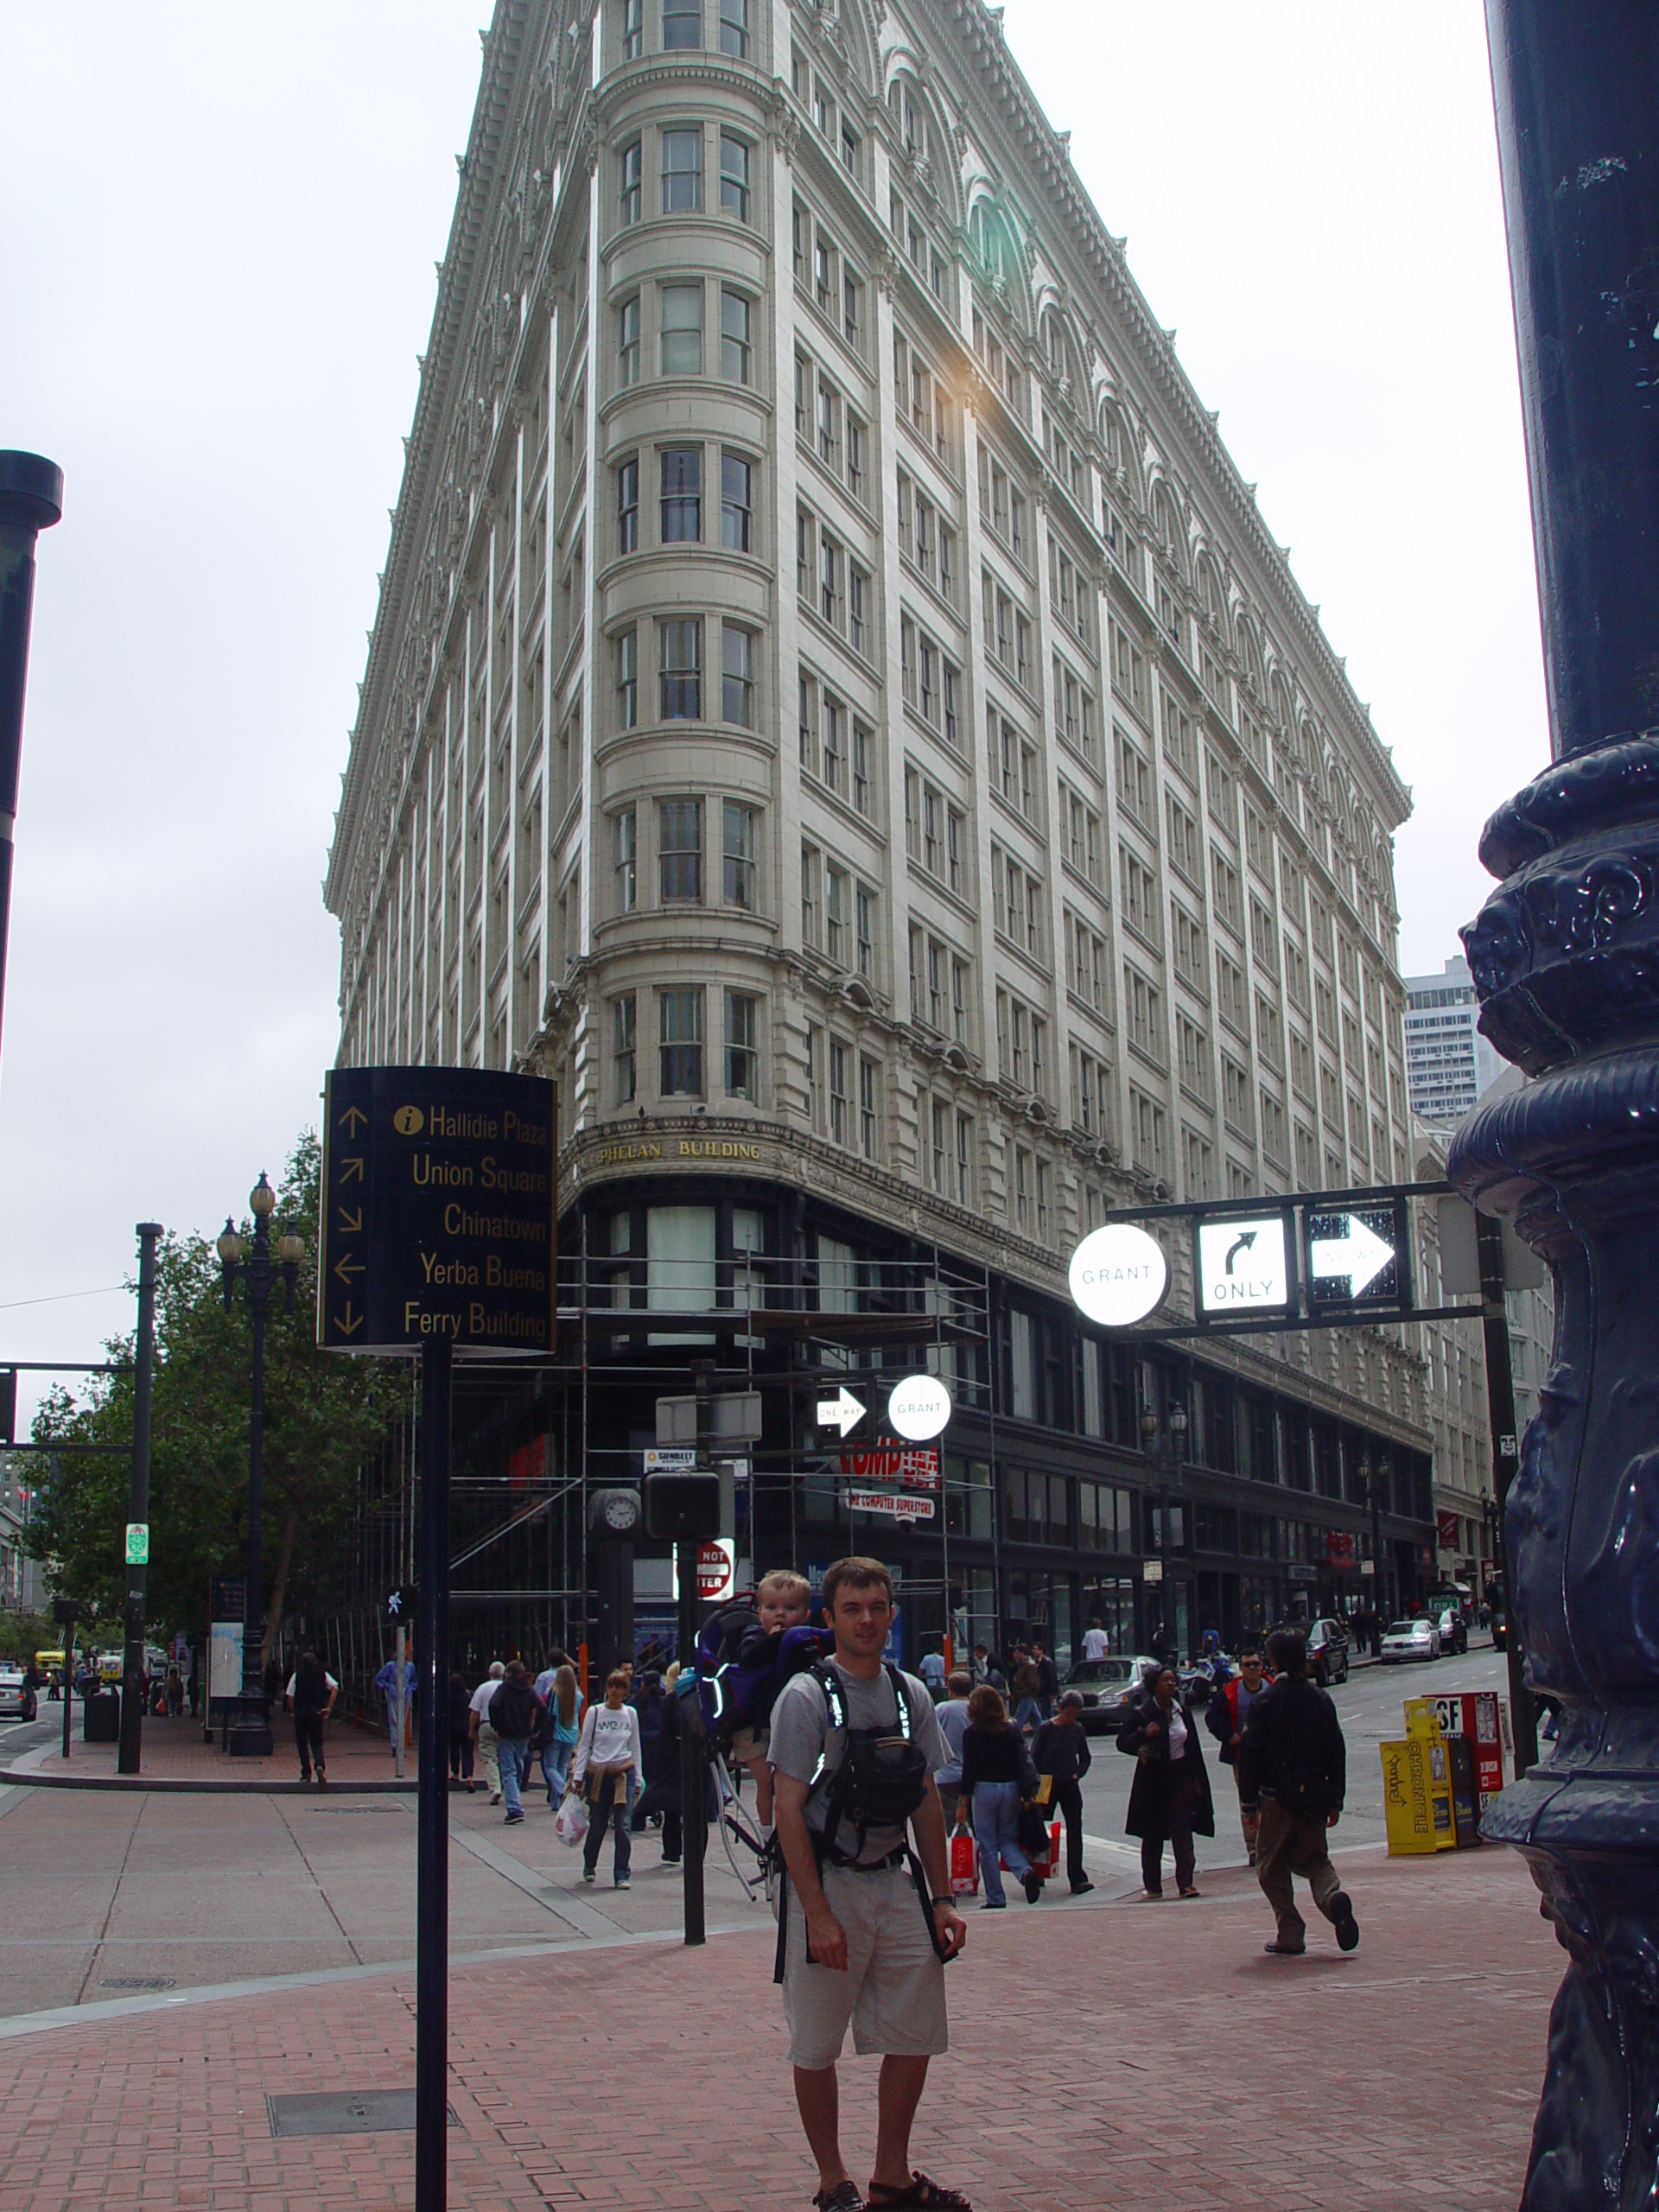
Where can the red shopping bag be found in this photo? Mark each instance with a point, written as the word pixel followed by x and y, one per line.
pixel 1050 1862
pixel 964 1864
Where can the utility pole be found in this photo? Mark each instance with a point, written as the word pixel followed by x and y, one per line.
pixel 31 501
pixel 132 1662
pixel 1506 1459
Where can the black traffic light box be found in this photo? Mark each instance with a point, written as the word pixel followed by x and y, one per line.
pixel 683 1508
pixel 7 1404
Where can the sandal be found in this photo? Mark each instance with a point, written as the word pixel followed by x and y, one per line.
pixel 843 2197
pixel 930 2196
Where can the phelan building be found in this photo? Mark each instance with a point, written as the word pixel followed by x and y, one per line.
pixel 834 708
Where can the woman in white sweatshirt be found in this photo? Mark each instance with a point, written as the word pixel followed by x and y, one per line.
pixel 606 1769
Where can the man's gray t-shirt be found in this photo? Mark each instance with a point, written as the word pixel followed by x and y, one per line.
pixel 801 1732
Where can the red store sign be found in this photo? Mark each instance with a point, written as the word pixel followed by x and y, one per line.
pixel 916 1465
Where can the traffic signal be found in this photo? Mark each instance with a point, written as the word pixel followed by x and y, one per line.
pixel 7 1404
pixel 683 1508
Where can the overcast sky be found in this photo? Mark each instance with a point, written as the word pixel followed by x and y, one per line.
pixel 216 270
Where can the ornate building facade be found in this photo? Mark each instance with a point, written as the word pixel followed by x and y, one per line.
pixel 835 706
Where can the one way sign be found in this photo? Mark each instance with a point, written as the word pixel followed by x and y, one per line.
pixel 1357 1255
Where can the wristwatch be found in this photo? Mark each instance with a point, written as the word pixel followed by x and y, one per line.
pixel 935 1902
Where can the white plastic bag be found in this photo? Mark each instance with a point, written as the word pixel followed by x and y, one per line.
pixel 570 1822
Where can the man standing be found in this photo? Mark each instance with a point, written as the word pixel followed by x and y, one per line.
pixel 1096 1644
pixel 1228 1710
pixel 1061 1752
pixel 1048 1680
pixel 952 1717
pixel 860 1941
pixel 387 1682
pixel 1293 1760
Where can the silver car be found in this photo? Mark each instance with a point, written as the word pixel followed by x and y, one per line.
pixel 1414 1639
pixel 16 1700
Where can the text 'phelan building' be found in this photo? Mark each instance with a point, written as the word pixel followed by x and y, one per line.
pixel 836 709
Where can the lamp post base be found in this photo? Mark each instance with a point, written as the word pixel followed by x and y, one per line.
pixel 249 1736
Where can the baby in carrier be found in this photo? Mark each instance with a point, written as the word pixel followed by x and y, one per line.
pixel 777 1645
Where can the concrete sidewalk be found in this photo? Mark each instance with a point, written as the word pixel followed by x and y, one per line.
pixel 1105 2053
pixel 173 1753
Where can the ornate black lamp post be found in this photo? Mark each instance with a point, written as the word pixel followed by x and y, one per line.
pixel 1566 958
pixel 1378 1480
pixel 250 1735
pixel 1168 1447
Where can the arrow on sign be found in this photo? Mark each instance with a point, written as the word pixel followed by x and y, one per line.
pixel 346 1266
pixel 1361 1255
pixel 1239 1244
pixel 354 1119
pixel 344 1323
pixel 350 1225
pixel 843 1411
pixel 351 1171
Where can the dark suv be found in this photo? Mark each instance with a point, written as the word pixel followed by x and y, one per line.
pixel 1327 1649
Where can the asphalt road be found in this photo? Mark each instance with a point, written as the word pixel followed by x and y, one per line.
pixel 1371 1705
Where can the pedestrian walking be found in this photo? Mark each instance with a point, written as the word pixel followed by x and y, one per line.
pixel 1025 1691
pixel 387 1682
pixel 996 1776
pixel 1048 1680
pixel 1169 1798
pixel 512 1714
pixel 484 1734
pixel 1293 1760
pixel 1096 1644
pixel 866 1923
pixel 952 1718
pixel 462 1747
pixel 606 1768
pixel 563 1702
pixel 931 1670
pixel 1227 1713
pixel 310 1696
pixel 1061 1752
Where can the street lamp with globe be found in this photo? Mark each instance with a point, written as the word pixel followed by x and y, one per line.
pixel 259 1269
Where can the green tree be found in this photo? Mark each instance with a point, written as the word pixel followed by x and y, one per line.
pixel 325 1414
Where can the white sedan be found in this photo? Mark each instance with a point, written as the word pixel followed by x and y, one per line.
pixel 1414 1639
pixel 16 1698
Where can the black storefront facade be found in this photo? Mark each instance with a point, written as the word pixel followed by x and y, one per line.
pixel 682 1250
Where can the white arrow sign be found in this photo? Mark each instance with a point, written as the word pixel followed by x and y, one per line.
pixel 843 1411
pixel 1361 1255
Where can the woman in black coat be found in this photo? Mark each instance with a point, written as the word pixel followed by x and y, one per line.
pixel 1170 1797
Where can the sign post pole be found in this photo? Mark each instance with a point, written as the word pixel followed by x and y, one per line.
pixel 132 1661
pixel 432 1805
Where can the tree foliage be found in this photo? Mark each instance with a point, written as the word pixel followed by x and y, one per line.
pixel 325 1414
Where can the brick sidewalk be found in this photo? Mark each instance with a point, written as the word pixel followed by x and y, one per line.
pixel 1105 2054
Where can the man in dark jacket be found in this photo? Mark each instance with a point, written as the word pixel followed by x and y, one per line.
pixel 1228 1712
pixel 1294 1762
pixel 513 1714
pixel 1061 1750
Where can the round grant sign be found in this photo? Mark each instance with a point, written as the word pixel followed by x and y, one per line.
pixel 919 1407
pixel 1119 1275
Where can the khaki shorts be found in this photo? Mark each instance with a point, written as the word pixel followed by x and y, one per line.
pixel 749 1744
pixel 893 1991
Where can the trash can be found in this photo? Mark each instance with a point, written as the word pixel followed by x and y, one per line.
pixel 103 1722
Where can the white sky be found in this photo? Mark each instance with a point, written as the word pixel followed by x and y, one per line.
pixel 216 270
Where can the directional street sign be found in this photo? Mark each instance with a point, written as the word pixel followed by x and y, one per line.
pixel 843 1411
pixel 438 1198
pixel 1118 1275
pixel 919 1407
pixel 1356 1255
pixel 1242 1266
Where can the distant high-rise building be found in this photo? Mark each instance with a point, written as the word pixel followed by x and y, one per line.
pixel 1448 1062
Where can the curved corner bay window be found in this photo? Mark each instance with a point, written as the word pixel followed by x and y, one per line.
pixel 737 676
pixel 680 671
pixel 742 1034
pixel 627 341
pixel 633 29
pixel 682 330
pixel 681 171
pixel 734 356
pixel 627 679
pixel 681 25
pixel 736 502
pixel 737 844
pixel 734 176
pixel 623 1042
pixel 734 28
pixel 682 496
pixel 679 850
pixel 627 507
pixel 680 1033
pixel 633 181
pixel 680 1247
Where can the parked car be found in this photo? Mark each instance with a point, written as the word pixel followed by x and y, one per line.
pixel 1105 1686
pixel 16 1701
pixel 1413 1639
pixel 1453 1629
pixel 1327 1649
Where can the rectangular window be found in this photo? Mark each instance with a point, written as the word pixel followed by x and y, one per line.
pixel 835 915
pixel 679 1016
pixel 681 25
pixel 810 864
pixel 627 341
pixel 828 425
pixel 682 330
pixel 682 169
pixel 734 352
pixel 829 579
pixel 627 679
pixel 633 29
pixel 624 1037
pixel 734 28
pixel 627 507
pixel 632 181
pixel 736 504
pixel 869 1079
pixel 682 495
pixel 864 914
pixel 679 850
pixel 840 1103
pixel 849 150
pixel 858 587
pixel 852 310
pixel 680 671
pixel 737 674
pixel 862 743
pixel 742 1035
pixel 833 744
pixel 625 833
pixel 734 176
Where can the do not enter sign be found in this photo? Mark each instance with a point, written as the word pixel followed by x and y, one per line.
pixel 716 1571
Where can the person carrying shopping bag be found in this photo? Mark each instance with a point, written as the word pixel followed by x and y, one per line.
pixel 606 1769
pixel 996 1773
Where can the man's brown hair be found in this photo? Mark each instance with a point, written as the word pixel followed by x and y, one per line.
pixel 854 1574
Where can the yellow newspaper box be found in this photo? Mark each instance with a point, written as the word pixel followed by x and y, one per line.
pixel 1417 1793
